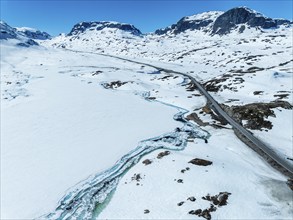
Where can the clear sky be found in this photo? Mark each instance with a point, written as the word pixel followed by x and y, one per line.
pixel 58 16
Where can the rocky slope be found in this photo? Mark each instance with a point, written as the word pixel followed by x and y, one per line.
pixel 243 59
pixel 22 36
pixel 240 55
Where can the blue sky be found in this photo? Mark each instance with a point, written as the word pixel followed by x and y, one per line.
pixel 57 16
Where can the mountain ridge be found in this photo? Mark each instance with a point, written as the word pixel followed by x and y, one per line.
pixel 210 22
pixel 219 22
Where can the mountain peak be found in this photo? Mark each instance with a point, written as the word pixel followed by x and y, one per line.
pixel 6 32
pixel 100 25
pixel 243 15
pixel 193 22
pixel 33 33
pixel 218 22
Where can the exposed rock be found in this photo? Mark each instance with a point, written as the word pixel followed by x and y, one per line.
pixel 249 70
pixel 136 177
pixel 28 43
pixel 163 154
pixel 180 203
pixel 180 181
pixel 33 33
pixel 100 25
pixel 97 72
pixel 257 92
pixel 206 213
pixel 281 96
pixel 147 162
pixel 194 117
pixel 242 15
pixel 113 85
pixel 195 212
pixel 201 162
pixel 222 23
pixel 184 24
pixel 7 32
pixel 219 200
pixel 190 87
pixel 256 113
pixel 192 198
pixel 146 211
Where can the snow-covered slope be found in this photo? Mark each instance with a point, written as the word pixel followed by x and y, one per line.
pixel 91 136
pixel 33 33
pixel 240 55
pixel 21 36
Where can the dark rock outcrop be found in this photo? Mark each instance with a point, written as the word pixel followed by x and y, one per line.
pixel 7 32
pixel 35 34
pixel 256 114
pixel 28 43
pixel 163 154
pixel 26 35
pixel 222 23
pixel 201 162
pixel 183 25
pixel 242 15
pixel 100 25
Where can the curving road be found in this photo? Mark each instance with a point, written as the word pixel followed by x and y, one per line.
pixel 217 108
pixel 282 164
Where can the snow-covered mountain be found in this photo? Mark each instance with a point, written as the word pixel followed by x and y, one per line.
pixel 102 25
pixel 238 17
pixel 33 33
pixel 85 134
pixel 216 22
pixel 22 36
pixel 7 32
pixel 203 22
pixel 115 38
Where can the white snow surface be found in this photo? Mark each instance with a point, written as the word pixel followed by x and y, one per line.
pixel 23 29
pixel 59 124
pixel 64 129
pixel 212 15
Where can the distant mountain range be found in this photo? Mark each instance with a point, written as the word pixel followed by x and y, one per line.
pixel 216 22
pixel 25 36
pixel 209 23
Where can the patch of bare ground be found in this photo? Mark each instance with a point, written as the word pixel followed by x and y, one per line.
pixel 216 202
pixel 194 117
pixel 216 84
pixel 249 70
pixel 255 114
pixel 163 154
pixel 114 84
pixel 200 162
pixel 190 87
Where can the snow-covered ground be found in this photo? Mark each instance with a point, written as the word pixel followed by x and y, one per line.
pixel 64 129
pixel 62 125
pixel 83 131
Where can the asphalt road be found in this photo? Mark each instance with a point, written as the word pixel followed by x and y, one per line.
pixel 283 162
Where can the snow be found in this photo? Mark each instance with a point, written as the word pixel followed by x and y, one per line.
pixel 23 29
pixel 231 171
pixel 282 145
pixel 60 126
pixel 211 15
pixel 65 130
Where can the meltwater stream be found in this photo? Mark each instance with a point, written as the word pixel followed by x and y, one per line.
pixel 88 198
